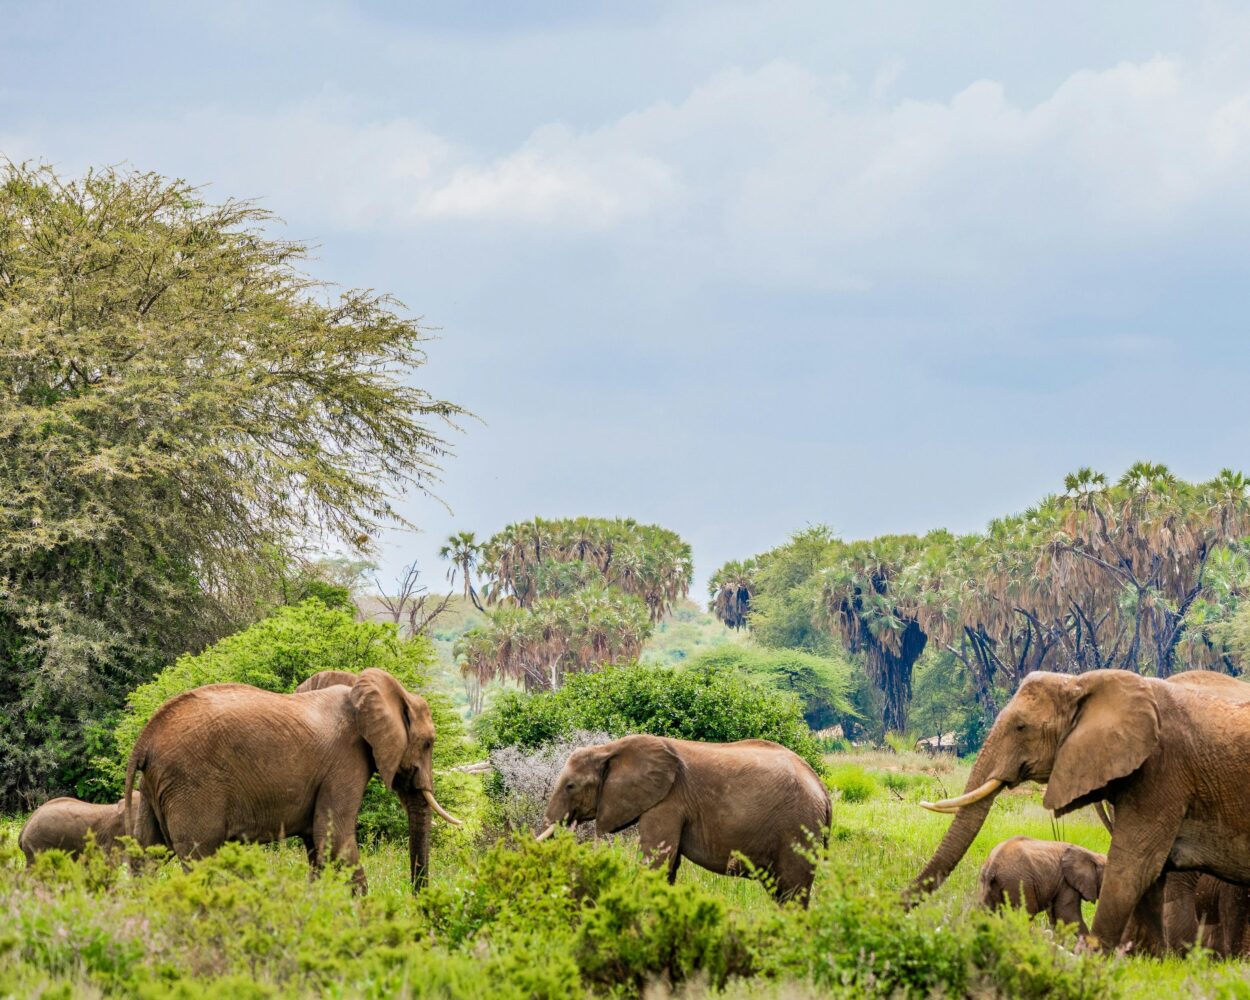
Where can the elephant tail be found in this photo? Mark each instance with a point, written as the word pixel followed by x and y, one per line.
pixel 138 761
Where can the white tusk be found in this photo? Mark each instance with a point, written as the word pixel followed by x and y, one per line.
pixel 957 803
pixel 429 797
pixel 546 833
pixel 573 826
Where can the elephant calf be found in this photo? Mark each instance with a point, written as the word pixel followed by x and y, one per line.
pixel 63 823
pixel 702 801
pixel 1042 876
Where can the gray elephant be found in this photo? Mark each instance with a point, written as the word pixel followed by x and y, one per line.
pixel 232 762
pixel 702 801
pixel 63 824
pixel 1042 876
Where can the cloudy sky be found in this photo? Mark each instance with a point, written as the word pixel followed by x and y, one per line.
pixel 732 268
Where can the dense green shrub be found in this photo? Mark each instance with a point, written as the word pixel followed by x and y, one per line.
pixel 696 703
pixel 556 919
pixel 822 683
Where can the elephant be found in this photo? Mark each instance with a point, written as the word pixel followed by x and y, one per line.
pixel 1042 876
pixel 232 762
pixel 63 824
pixel 325 679
pixel 1170 757
pixel 702 801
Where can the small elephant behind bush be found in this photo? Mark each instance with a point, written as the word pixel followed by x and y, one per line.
pixel 1042 876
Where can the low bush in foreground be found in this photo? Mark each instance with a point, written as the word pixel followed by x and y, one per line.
pixel 522 919
pixel 697 703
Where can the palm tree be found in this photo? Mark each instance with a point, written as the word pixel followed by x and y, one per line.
pixel 463 552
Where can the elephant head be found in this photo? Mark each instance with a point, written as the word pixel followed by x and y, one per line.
pixel 1076 734
pixel 1083 869
pixel 399 729
pixel 613 784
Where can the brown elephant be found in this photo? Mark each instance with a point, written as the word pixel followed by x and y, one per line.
pixel 702 801
pixel 1042 876
pixel 327 678
pixel 1171 758
pixel 63 824
pixel 233 762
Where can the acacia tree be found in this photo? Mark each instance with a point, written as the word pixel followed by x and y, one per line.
pixel 181 409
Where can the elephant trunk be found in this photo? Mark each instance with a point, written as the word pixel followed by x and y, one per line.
pixel 418 839
pixel 962 831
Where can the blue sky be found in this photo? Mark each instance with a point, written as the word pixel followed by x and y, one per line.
pixel 733 268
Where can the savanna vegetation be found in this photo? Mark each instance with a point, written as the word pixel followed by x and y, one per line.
pixel 187 419
pixel 1144 573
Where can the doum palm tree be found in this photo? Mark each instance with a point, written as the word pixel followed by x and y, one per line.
pixel 462 551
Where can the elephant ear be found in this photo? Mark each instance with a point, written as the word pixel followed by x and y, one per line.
pixel 1083 870
pixel 381 705
pixel 636 776
pixel 325 679
pixel 1115 727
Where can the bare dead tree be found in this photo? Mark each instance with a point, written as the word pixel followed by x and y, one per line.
pixel 411 601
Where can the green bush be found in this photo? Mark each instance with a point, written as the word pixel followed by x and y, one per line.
pixel 276 654
pixel 695 703
pixel 822 683
pixel 852 782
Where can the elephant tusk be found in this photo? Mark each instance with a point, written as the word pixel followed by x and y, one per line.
pixel 546 833
pixel 429 797
pixel 573 826
pixel 957 803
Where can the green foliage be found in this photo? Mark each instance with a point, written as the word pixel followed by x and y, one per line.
pixel 821 683
pixel 530 560
pixel 694 703
pixel 852 782
pixel 179 408
pixel 276 654
pixel 541 645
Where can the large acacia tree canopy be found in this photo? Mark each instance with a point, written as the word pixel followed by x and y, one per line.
pixel 180 408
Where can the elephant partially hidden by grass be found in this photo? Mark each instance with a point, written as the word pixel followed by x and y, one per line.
pixel 63 824
pixel 704 801
pixel 233 762
pixel 1042 876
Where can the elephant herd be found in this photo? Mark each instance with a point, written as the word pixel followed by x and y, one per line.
pixel 232 762
pixel 1170 758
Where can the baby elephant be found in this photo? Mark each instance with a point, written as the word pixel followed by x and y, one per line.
pixel 702 801
pixel 1042 876
pixel 63 824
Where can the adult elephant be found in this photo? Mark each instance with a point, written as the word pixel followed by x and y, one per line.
pixel 702 801
pixel 233 762
pixel 1171 759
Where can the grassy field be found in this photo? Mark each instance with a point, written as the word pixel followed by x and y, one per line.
pixel 572 919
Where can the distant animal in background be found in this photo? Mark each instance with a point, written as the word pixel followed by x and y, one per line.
pixel 62 824
pixel 1042 876
pixel 704 801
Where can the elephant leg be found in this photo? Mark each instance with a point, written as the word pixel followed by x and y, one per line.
pixel 335 838
pixel 1233 916
pixel 659 836
pixel 1147 921
pixel 793 877
pixel 1066 908
pixel 1143 838
pixel 1180 912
